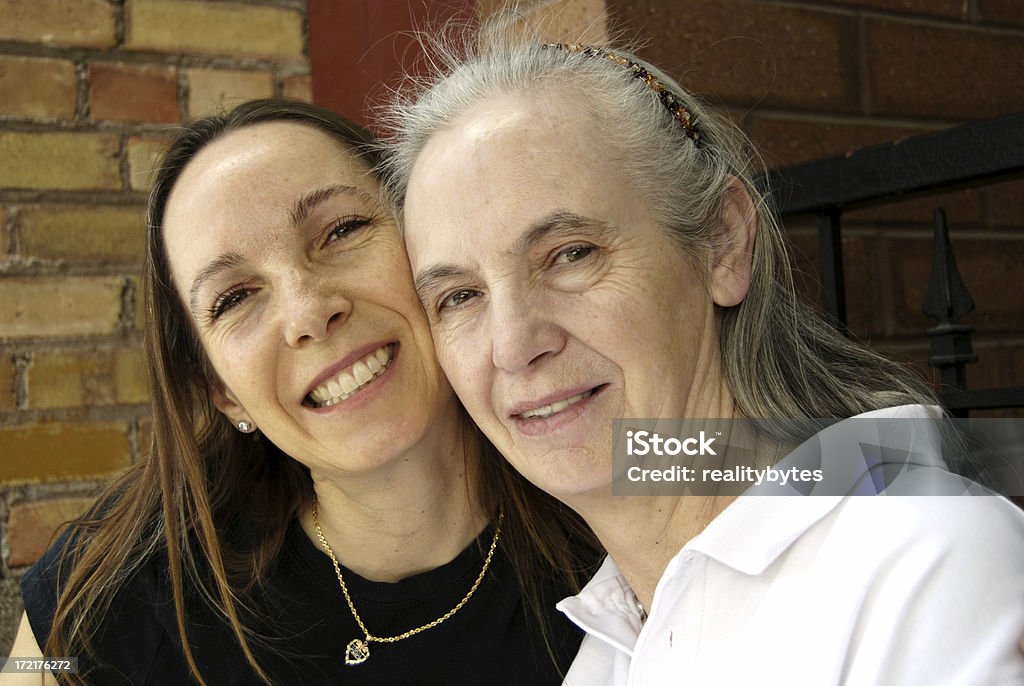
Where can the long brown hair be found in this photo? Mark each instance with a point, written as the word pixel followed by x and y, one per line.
pixel 204 488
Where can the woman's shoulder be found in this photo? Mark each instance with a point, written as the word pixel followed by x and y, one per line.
pixel 960 537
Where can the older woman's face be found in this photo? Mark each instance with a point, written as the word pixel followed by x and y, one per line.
pixel 299 287
pixel 556 301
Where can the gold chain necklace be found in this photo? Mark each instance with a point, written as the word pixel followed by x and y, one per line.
pixel 358 650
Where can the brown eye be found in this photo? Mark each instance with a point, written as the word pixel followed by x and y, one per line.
pixel 345 228
pixel 227 301
pixel 573 253
pixel 457 299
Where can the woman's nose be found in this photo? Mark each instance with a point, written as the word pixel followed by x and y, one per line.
pixel 521 334
pixel 312 309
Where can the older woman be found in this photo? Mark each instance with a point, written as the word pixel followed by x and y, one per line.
pixel 313 508
pixel 589 244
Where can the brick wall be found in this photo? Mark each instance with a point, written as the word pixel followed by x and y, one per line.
pixel 815 78
pixel 87 88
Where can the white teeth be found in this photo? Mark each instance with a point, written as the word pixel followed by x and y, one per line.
pixel 548 410
pixel 347 383
pixel 361 372
pixel 350 381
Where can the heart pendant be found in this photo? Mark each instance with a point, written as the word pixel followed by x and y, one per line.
pixel 356 652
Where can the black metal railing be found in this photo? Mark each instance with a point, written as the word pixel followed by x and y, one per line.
pixel 961 157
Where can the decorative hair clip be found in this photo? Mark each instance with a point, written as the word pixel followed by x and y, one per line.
pixel 671 102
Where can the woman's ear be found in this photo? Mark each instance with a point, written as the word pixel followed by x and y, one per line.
pixel 730 274
pixel 225 401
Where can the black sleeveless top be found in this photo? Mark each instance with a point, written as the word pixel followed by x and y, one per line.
pixel 306 624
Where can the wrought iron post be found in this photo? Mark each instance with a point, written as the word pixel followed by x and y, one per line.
pixel 947 300
pixel 830 249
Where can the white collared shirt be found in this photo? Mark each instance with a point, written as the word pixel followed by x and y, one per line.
pixel 795 590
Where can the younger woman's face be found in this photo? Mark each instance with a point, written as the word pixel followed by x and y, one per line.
pixel 299 287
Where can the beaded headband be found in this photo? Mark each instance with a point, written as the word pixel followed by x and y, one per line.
pixel 671 102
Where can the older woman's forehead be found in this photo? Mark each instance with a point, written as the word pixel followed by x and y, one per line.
pixel 505 179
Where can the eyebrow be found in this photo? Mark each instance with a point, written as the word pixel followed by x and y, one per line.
pixel 429 279
pixel 300 212
pixel 559 222
pixel 228 260
pixel 553 224
pixel 305 205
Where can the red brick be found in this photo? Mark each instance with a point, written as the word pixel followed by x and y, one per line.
pixel 964 210
pixel 864 277
pixel 790 141
pixel 1006 204
pixel 85 23
pixel 745 52
pixel 298 87
pixel 33 526
pixel 62 452
pixel 120 92
pixel 993 369
pixel 912 355
pixel 1001 12
pixel 953 9
pixel 927 71
pixel 991 270
pixel 39 88
pixel 805 261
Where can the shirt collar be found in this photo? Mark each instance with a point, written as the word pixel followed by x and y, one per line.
pixel 606 608
pixel 755 529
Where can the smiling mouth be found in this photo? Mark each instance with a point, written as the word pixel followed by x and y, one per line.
pixel 545 411
pixel 352 379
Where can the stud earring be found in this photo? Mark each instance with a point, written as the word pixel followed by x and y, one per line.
pixel 244 426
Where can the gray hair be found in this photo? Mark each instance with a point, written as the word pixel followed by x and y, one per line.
pixel 781 359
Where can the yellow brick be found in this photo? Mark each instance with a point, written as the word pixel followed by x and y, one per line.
pixel 218 90
pixel 56 306
pixel 298 87
pixel 62 452
pixel 63 22
pixel 130 376
pixel 37 87
pixel 144 155
pixel 583 21
pixel 144 437
pixel 220 28
pixel 32 526
pixel 140 306
pixel 5 241
pixel 71 378
pixel 86 378
pixel 60 161
pixel 89 233
pixel 8 379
